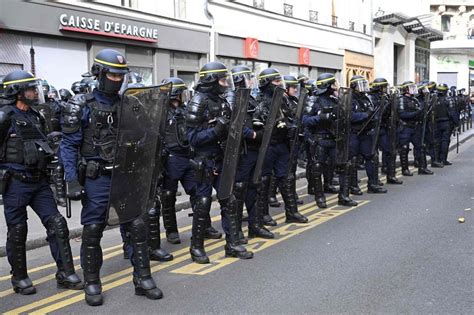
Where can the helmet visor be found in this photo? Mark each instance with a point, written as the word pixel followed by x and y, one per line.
pixel 226 82
pixel 412 89
pixel 243 78
pixel 362 85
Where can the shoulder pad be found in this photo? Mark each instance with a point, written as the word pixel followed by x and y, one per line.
pixel 72 113
pixel 6 112
pixel 195 110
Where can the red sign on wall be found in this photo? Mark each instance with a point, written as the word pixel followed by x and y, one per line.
pixel 303 56
pixel 251 48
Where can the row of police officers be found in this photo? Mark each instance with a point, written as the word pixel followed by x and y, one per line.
pixel 70 144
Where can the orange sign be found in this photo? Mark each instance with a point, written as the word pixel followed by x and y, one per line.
pixel 303 56
pixel 251 48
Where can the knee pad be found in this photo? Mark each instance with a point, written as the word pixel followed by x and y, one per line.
pixel 57 225
pixel 240 189
pixel 168 198
pixel 92 234
pixel 17 233
pixel 203 205
pixel 136 228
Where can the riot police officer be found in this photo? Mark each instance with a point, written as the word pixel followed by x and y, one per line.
pixel 207 120
pixel 25 153
pixel 277 156
pixel 176 159
pixel 411 116
pixel 423 98
pixel 89 132
pixel 245 190
pixel 387 137
pixel 361 138
pixel 446 119
pixel 319 121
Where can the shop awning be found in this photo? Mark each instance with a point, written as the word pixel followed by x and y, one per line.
pixel 411 25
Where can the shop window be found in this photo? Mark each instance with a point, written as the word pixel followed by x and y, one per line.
pixel 313 16
pixel 145 73
pixel 259 4
pixel 287 9
pixel 446 23
pixel 351 25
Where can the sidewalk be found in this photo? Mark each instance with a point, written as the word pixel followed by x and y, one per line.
pixel 37 233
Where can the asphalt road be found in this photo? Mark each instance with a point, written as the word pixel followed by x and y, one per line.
pixel 403 252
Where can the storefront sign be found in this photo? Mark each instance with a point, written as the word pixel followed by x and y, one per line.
pixel 75 23
pixel 251 48
pixel 304 56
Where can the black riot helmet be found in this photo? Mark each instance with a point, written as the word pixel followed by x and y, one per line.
pixel 266 77
pixel 242 76
pixel 310 85
pixel 442 89
pixel 109 61
pixel 46 88
pixel 302 79
pixel 326 82
pixel 78 87
pixel 179 90
pixel 452 90
pixel 422 88
pixel 379 85
pixel 215 78
pixel 19 83
pixel 65 95
pixel 408 87
pixel 431 85
pixel 291 82
pixel 359 84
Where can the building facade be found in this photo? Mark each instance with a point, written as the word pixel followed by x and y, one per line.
pixel 452 60
pixel 402 47
pixel 58 39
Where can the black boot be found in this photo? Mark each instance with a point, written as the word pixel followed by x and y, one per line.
pixel 152 223
pixel 124 248
pixel 272 191
pixel 240 190
pixel 404 161
pixel 328 173
pixel 344 183
pixel 375 189
pixel 287 188
pixel 257 229
pixel 263 189
pixel 66 276
pixel 232 247
pixel 16 242
pixel 318 185
pixel 376 162
pixel 354 182
pixel 423 169
pixel 210 232
pixel 201 211
pixel 391 172
pixel 142 279
pixel 436 164
pixel 91 261
pixel 168 201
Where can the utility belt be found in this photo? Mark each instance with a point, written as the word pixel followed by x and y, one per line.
pixel 93 169
pixel 26 177
pixel 410 124
pixel 204 173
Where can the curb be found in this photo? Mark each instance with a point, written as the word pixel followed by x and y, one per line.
pixel 77 232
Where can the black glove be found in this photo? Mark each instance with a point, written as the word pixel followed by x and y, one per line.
pixel 74 190
pixel 222 127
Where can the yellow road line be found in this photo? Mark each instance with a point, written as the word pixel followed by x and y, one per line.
pixel 155 268
pixel 115 247
pixel 209 247
pixel 282 233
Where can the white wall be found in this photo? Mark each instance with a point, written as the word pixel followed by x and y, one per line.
pixel 286 31
pixel 61 62
pixel 446 62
